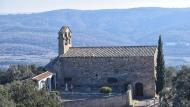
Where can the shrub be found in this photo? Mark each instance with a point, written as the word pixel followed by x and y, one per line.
pixel 105 90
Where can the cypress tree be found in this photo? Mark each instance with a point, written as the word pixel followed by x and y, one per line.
pixel 160 67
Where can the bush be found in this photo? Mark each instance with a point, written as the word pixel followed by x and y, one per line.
pixel 105 90
pixel 19 73
pixel 25 94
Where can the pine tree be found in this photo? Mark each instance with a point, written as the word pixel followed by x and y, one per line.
pixel 160 67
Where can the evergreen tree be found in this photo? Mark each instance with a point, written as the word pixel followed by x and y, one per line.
pixel 160 67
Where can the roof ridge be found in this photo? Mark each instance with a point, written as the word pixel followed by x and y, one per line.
pixel 116 46
pixel 111 51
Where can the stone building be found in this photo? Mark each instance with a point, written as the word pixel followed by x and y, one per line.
pixel 105 66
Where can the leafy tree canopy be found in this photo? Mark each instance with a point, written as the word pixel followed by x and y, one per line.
pixel 19 72
pixel 18 90
pixel 178 94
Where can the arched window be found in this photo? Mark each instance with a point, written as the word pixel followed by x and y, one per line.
pixel 69 41
pixel 112 80
pixel 66 34
pixel 66 38
pixel 69 34
pixel 67 79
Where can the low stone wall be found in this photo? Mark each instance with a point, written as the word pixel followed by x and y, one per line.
pixel 109 101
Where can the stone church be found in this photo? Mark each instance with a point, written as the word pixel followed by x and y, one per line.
pixel 105 66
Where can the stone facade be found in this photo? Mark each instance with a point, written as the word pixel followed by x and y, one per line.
pixel 134 65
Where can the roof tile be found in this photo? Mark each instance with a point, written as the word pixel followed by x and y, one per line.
pixel 118 51
pixel 42 76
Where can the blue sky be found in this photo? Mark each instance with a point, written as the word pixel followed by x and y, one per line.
pixel 28 6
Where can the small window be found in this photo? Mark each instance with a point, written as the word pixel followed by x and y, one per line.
pixel 69 33
pixel 96 75
pixel 67 79
pixel 69 41
pixel 112 80
pixel 66 38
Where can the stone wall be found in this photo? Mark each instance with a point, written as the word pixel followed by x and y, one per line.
pixel 95 71
pixel 111 101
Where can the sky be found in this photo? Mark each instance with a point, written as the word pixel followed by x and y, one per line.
pixel 32 6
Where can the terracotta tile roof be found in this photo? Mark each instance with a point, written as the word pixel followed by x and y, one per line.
pixel 114 51
pixel 42 76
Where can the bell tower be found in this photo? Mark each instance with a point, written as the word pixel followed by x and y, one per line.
pixel 64 39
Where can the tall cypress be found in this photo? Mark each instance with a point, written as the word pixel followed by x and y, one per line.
pixel 160 67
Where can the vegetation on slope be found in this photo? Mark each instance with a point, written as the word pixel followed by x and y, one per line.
pixel 18 90
pixel 176 92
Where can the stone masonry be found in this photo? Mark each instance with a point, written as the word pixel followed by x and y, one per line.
pixel 94 66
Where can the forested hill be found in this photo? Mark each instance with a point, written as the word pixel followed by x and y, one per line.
pixel 29 37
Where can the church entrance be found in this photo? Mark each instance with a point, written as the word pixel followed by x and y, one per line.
pixel 138 89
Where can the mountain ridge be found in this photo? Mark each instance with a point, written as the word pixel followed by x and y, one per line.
pixel 107 27
pixel 71 9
